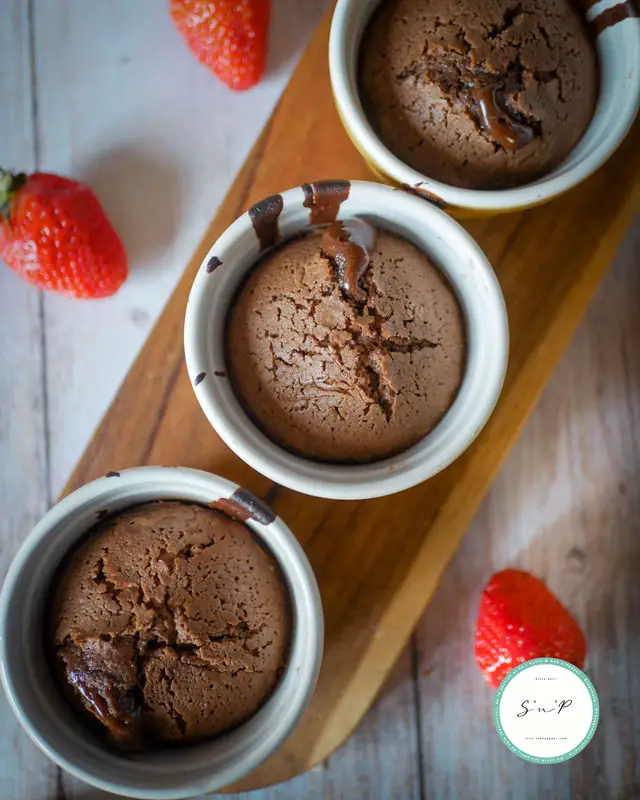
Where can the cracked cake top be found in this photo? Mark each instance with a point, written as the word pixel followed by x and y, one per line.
pixel 170 623
pixel 346 344
pixel 483 94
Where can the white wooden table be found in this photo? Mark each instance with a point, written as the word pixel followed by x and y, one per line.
pixel 104 91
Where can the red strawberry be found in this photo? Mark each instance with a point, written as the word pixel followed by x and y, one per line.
pixel 519 619
pixel 54 233
pixel 228 36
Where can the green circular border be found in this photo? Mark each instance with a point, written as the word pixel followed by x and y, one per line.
pixel 559 663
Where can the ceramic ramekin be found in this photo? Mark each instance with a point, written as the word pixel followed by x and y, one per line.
pixel 280 217
pixel 171 773
pixel 618 49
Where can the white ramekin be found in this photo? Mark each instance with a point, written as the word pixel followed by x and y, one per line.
pixel 618 49
pixel 460 259
pixel 35 698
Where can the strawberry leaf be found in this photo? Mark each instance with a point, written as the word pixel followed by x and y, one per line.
pixel 10 183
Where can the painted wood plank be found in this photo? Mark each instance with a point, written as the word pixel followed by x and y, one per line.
pixel 566 507
pixel 549 264
pixel 24 492
pixel 379 761
pixel 125 107
pixel 84 793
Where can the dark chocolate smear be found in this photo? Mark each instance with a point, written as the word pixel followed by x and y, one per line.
pixel 243 505
pixel 349 245
pixel 199 378
pixel 213 263
pixel 112 474
pixel 612 16
pixel 264 218
pixel 424 194
pixel 323 199
pixel 496 122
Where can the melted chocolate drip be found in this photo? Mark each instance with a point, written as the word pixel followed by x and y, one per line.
pixel 111 704
pixel 264 218
pixel 495 120
pixel 349 245
pixel 323 199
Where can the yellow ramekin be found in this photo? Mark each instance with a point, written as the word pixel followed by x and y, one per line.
pixel 618 49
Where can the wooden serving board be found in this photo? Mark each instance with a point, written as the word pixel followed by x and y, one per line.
pixel 379 561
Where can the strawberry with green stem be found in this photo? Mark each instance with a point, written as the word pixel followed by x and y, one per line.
pixel 54 234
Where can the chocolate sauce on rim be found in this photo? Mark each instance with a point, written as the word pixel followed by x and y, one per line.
pixel 611 16
pixel 264 218
pixel 495 120
pixel 349 245
pixel 323 199
pixel 243 505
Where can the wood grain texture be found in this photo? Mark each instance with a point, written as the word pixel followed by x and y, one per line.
pixel 533 508
pixel 549 261
pixel 566 506
pixel 380 761
pixel 24 491
pixel 124 106
pixel 109 143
